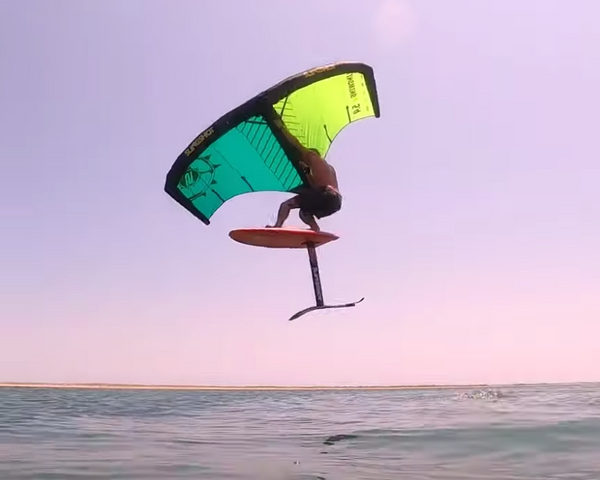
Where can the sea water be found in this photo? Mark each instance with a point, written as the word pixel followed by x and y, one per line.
pixel 508 432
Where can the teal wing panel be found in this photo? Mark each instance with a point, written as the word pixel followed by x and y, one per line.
pixel 247 158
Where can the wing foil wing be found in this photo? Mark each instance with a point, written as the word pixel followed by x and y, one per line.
pixel 245 152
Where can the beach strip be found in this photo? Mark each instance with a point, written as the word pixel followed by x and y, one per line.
pixel 116 386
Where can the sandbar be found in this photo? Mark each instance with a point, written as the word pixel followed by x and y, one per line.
pixel 118 386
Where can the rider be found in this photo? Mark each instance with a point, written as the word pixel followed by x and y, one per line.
pixel 321 197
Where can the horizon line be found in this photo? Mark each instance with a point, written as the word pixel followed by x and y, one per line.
pixel 141 386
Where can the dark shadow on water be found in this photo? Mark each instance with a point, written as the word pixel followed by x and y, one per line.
pixel 338 438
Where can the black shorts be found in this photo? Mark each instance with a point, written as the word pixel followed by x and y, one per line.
pixel 319 202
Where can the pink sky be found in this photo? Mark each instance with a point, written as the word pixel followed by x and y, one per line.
pixel 471 221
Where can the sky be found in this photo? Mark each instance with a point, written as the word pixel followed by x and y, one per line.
pixel 471 218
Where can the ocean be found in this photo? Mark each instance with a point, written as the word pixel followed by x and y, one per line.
pixel 501 433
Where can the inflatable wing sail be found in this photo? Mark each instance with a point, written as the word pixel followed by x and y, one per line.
pixel 246 151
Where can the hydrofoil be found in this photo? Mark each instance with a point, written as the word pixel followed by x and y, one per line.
pixel 290 237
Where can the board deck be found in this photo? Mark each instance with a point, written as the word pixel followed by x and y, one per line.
pixel 286 237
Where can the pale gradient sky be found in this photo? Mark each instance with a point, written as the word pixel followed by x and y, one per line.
pixel 471 221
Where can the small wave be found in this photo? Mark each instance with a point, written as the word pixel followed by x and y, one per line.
pixel 485 394
pixel 337 438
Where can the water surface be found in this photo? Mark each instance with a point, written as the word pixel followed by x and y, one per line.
pixel 518 432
